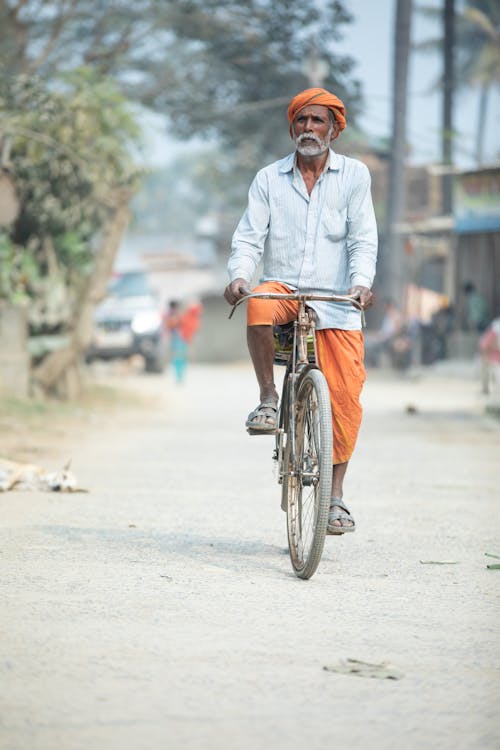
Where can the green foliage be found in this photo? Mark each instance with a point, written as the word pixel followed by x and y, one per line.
pixel 18 271
pixel 480 43
pixel 477 54
pixel 70 150
pixel 221 68
pixel 72 251
pixel 238 64
pixel 477 42
pixel 71 146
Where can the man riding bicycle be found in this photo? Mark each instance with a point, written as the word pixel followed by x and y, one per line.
pixel 310 217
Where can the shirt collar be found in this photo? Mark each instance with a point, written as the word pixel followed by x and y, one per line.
pixel 289 161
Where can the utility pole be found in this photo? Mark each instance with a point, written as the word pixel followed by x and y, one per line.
pixel 394 258
pixel 449 83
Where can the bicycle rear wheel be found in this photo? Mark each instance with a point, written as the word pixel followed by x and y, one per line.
pixel 307 479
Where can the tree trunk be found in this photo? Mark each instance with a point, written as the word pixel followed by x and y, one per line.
pixel 481 122
pixel 449 83
pixel 58 373
pixel 394 258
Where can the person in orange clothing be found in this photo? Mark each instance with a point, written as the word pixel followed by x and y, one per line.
pixel 191 321
pixel 181 327
pixel 310 219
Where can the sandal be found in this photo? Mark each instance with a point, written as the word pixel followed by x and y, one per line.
pixel 268 410
pixel 344 514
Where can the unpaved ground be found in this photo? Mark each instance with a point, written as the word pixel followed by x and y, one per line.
pixel 160 611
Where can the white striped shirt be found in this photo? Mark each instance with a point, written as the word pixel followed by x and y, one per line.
pixel 324 242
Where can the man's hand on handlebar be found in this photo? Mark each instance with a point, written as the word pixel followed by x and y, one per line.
pixel 364 295
pixel 236 290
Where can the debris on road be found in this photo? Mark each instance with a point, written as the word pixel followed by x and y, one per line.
pixel 383 671
pixel 439 562
pixel 493 566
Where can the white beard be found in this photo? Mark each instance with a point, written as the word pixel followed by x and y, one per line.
pixel 314 146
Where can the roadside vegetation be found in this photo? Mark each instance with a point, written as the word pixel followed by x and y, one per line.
pixel 75 77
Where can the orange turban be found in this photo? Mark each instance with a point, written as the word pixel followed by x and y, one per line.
pixel 317 96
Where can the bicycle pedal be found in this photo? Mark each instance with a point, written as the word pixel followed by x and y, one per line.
pixel 261 432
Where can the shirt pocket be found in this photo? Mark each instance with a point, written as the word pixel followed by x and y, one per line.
pixel 334 223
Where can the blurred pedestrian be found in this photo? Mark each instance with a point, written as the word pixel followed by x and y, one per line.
pixel 489 347
pixel 390 338
pixel 178 347
pixel 475 314
pixel 442 324
pixel 392 323
pixel 191 321
pixel 181 326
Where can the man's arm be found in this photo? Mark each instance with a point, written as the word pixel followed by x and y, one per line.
pixel 248 240
pixel 362 237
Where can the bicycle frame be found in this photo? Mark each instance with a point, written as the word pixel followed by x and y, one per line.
pixel 304 326
pixel 304 437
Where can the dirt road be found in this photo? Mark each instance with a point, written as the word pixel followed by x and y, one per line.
pixel 160 611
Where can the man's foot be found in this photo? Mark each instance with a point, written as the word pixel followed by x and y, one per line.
pixel 340 519
pixel 263 418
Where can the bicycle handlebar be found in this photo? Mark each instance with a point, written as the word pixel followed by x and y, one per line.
pixel 346 298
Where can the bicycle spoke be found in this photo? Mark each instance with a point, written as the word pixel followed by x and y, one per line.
pixel 310 464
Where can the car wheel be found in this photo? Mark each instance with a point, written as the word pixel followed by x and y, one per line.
pixel 154 364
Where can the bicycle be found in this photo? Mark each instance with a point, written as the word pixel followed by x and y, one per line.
pixel 303 437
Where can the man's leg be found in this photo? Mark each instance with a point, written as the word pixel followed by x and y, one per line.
pixel 260 341
pixel 341 360
pixel 338 474
pixel 262 315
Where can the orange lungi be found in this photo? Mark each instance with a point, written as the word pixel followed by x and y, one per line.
pixel 340 357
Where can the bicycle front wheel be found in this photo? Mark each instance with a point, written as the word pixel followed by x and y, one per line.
pixel 307 480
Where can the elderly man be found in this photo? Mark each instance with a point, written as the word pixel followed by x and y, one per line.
pixel 310 216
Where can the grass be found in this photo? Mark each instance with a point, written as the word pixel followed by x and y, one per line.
pixel 94 395
pixel 32 428
pixel 29 408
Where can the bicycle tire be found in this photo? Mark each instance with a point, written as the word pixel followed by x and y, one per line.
pixel 307 479
pixel 279 450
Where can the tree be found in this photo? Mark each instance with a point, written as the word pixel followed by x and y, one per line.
pixel 448 92
pixel 72 168
pixel 480 57
pixel 215 67
pixel 477 55
pixel 70 145
pixel 393 257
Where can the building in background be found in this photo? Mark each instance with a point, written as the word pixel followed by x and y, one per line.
pixel 477 237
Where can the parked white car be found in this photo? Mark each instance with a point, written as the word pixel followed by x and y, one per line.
pixel 129 321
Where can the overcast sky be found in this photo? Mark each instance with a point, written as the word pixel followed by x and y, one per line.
pixel 369 39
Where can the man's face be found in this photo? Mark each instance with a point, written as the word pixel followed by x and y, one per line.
pixel 313 130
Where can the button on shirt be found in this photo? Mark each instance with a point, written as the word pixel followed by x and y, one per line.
pixel 320 243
